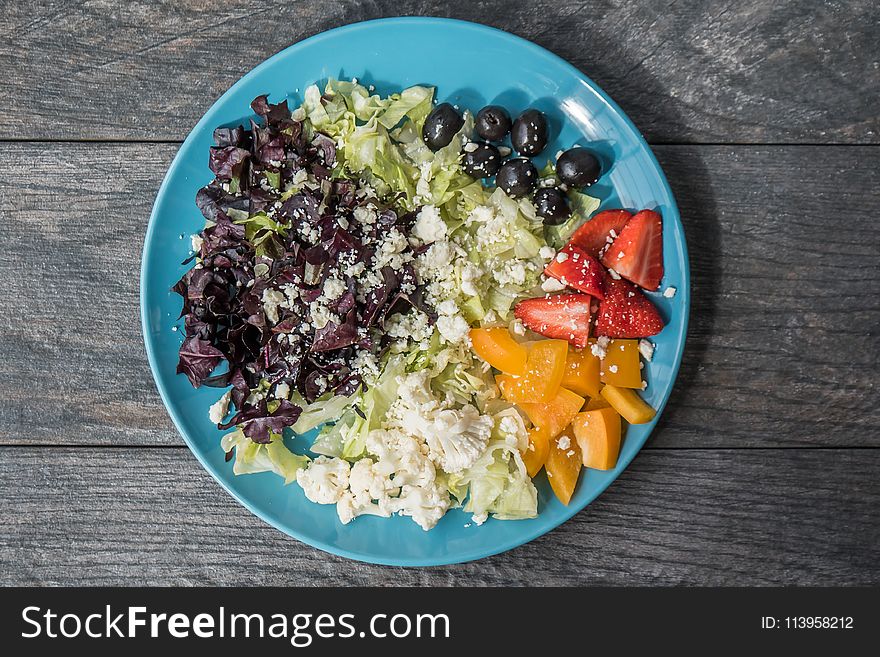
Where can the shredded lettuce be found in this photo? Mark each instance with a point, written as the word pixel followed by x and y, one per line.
pixel 251 457
pixel 326 408
pixel 498 484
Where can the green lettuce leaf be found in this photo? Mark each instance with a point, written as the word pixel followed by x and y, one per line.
pixel 251 457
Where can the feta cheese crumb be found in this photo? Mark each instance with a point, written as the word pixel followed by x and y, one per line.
pixel 454 329
pixel 429 226
pixel 470 147
pixel 612 369
pixel 470 274
pixel 613 274
pixel 564 442
pixel 600 348
pixel 220 408
pixel 646 349
pixel 271 300
pixel 669 292
pixel 546 252
pixel 282 391
pixel 334 288
pixel 552 285
pixel 196 241
pixel 518 328
pixel 561 257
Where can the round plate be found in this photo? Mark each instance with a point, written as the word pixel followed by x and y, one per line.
pixel 471 66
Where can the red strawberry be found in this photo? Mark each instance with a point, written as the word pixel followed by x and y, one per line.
pixel 593 236
pixel 573 267
pixel 626 312
pixel 637 253
pixel 563 316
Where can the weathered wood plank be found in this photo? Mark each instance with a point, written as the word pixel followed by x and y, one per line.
pixel 743 517
pixel 711 71
pixel 782 347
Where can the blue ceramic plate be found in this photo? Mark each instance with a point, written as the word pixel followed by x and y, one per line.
pixel 393 54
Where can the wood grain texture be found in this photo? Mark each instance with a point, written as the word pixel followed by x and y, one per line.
pixel 782 344
pixel 744 517
pixel 710 71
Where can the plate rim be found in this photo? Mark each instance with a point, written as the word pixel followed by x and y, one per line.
pixel 146 325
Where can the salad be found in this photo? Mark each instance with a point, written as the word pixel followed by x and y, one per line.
pixel 448 316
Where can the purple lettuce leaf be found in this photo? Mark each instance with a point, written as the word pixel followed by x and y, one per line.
pixel 198 358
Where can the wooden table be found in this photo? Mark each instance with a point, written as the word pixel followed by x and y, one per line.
pixel 764 469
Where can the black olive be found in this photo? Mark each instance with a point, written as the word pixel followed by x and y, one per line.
pixel 480 160
pixel 517 177
pixel 441 125
pixel 529 133
pixel 492 123
pixel 552 204
pixel 578 167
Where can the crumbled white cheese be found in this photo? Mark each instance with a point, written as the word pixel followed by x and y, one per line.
pixel 365 214
pixel 546 252
pixel 561 257
pixel 600 348
pixel 414 324
pixel 220 408
pixel 669 292
pixel 564 442
pixel 282 391
pixel 272 298
pixel 612 369
pixel 390 250
pixel 367 366
pixel 512 272
pixel 613 274
pixel 196 241
pixel 334 288
pixel 429 226
pixel 453 330
pixel 552 285
pixel 518 328
pixel 470 275
pixel 646 348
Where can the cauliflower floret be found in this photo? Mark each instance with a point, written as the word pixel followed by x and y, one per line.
pixel 366 483
pixel 325 479
pixel 424 504
pixel 414 390
pixel 404 460
pixel 456 438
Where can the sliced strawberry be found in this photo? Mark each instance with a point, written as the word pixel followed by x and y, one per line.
pixel 637 253
pixel 596 234
pixel 626 312
pixel 575 268
pixel 563 316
